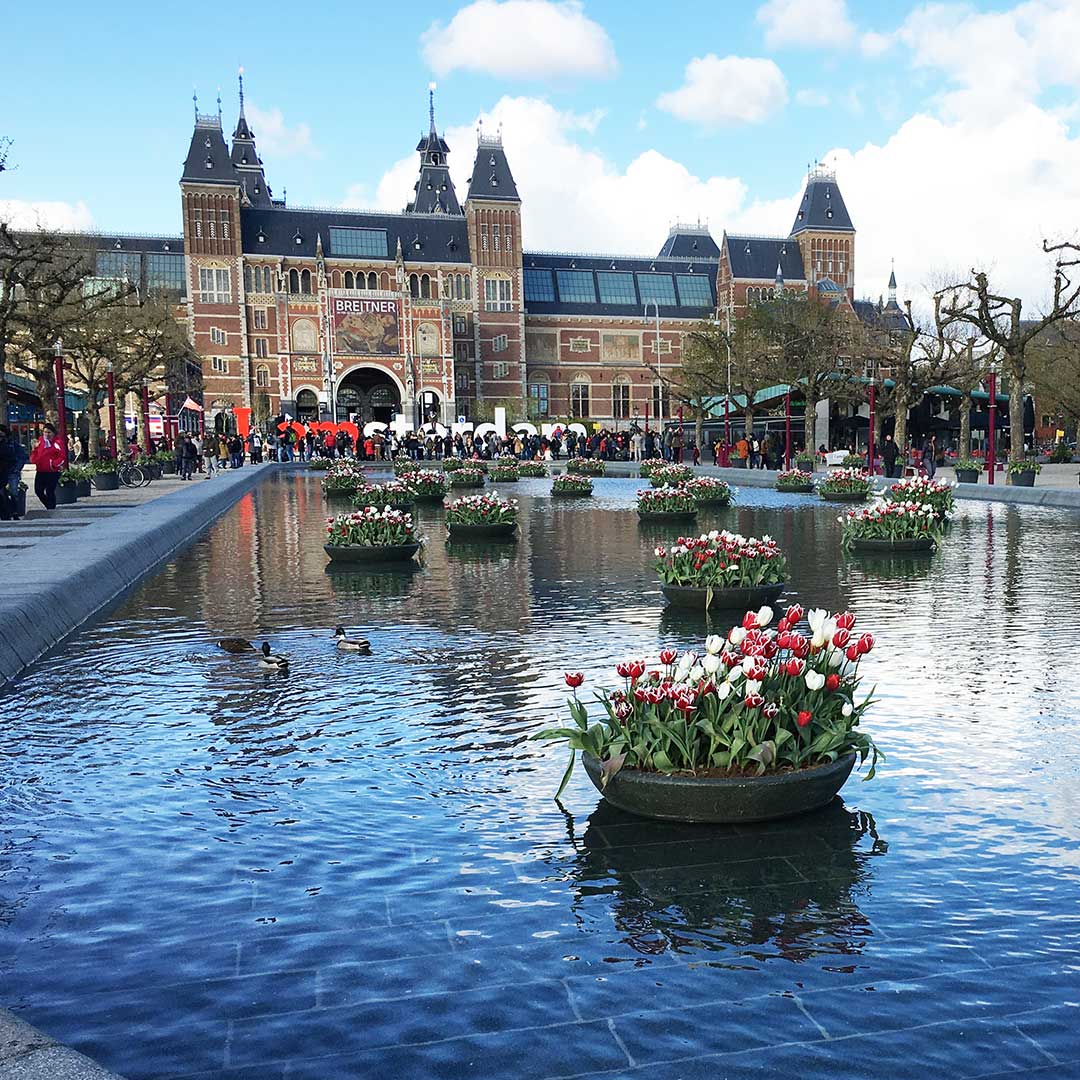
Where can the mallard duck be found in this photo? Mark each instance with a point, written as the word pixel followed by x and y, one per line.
pixel 361 645
pixel 269 661
pixel 235 644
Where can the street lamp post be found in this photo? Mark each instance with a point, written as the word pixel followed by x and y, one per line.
pixel 110 390
pixel 727 400
pixel 146 415
pixel 870 450
pixel 787 430
pixel 61 405
pixel 991 455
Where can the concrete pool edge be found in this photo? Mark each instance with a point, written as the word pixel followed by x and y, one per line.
pixel 63 581
pixel 28 1054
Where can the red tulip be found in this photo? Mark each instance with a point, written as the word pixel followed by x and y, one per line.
pixel 573 678
pixel 754 701
pixel 794 615
pixel 846 621
pixel 794 667
pixel 642 694
pixel 749 620
pixel 783 640
pixel 770 649
pixel 852 652
pixel 782 625
pixel 841 637
pixel 623 669
pixel 804 718
pixel 637 669
pixel 832 682
pixel 668 656
pixel 800 646
pixel 865 643
pixel 771 710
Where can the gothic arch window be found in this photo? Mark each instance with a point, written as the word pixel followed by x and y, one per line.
pixel 425 287
pixel 539 394
pixel 385 280
pixel 262 376
pixel 305 282
pixel 620 398
pixel 448 286
pixel 427 339
pixel 335 280
pixel 468 286
pixel 305 338
pixel 414 286
pixel 266 280
pixel 294 281
pixel 348 279
pixel 579 396
pixel 249 280
pixel 372 280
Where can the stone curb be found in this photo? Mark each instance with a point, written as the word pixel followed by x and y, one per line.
pixel 53 588
pixel 27 1054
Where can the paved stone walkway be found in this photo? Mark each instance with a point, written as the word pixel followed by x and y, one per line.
pixel 26 1054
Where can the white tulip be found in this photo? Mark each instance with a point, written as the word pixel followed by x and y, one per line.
pixel 711 664
pixel 735 674
pixel 814 680
pixel 737 635
pixel 695 674
pixel 723 690
pixel 748 664
pixel 847 710
pixel 714 644
pixel 816 618
pixel 753 686
pixel 714 535
pixel 836 657
pixel 764 615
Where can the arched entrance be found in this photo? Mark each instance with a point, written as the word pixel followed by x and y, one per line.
pixel 367 394
pixel 307 406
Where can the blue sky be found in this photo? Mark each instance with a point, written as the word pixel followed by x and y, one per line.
pixel 610 134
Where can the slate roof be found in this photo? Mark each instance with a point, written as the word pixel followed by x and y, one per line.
pixel 208 160
pixel 434 192
pixel 167 245
pixel 889 317
pixel 689 242
pixel 542 260
pixel 442 237
pixel 756 257
pixel 822 208
pixel 491 175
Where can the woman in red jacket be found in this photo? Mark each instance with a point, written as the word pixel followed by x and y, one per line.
pixel 49 458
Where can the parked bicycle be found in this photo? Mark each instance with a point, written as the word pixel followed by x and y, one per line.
pixel 131 475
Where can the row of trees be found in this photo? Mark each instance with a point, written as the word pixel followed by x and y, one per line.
pixel 825 351
pixel 49 293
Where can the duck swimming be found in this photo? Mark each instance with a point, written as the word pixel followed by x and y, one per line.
pixel 269 661
pixel 360 645
pixel 235 645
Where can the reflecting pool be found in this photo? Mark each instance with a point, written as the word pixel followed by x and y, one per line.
pixel 357 869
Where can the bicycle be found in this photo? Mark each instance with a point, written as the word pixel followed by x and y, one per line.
pixel 130 475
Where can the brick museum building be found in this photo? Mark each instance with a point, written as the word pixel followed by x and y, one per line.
pixel 339 314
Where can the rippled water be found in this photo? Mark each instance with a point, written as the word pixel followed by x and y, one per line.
pixel 358 870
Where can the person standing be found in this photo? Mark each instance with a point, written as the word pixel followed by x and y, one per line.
pixel 48 457
pixel 210 455
pixel 187 455
pixel 930 456
pixel 889 455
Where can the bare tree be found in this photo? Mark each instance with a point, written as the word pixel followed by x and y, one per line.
pixel 998 319
pixel 1055 371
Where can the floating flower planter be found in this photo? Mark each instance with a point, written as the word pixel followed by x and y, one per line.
pixel 846 485
pixel 532 469
pixel 762 724
pixel 504 471
pixel 721 570
pixel 395 494
pixel 343 479
pixel 585 466
pixel 571 485
pixel 427 486
pixel 371 535
pixel 795 481
pixel 673 504
pixel 892 526
pixel 937 494
pixel 670 475
pixel 482 517
pixel 467 477
pixel 709 492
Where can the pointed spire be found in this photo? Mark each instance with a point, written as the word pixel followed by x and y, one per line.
pixel 431 106
pixel 219 104
pixel 778 282
pixel 892 283
pixel 240 76
pixel 195 99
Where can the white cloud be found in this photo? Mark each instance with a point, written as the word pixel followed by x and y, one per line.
pixel 274 136
pixel 796 22
pixel 873 44
pixel 731 90
pixel 520 39
pixel 25 214
pixel 812 99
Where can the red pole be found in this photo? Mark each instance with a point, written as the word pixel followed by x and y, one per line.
pixel 727 422
pixel 61 405
pixel 646 418
pixel 870 453
pixel 110 383
pixel 787 430
pixel 202 424
pixel 991 457
pixel 681 435
pixel 169 433
pixel 146 417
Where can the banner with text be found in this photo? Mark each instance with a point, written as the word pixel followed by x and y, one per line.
pixel 366 327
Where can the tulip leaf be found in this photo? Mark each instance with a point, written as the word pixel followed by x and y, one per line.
pixel 566 775
pixel 609 768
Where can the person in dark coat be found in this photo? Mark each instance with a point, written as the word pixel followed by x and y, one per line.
pixel 890 453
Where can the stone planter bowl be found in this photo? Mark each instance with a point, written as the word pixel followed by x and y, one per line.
pixel 339 494
pixel 556 493
pixel 168 468
pixel 844 496
pixel 493 531
pixel 66 494
pixel 429 500
pixel 697 597
pixel 713 501
pixel 82 489
pixel 667 515
pixel 106 481
pixel 721 800
pixel 796 489
pixel 967 476
pixel 1022 479
pixel 913 543
pixel 355 553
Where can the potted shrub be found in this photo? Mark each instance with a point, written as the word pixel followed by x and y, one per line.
pixel 757 726
pixel 666 504
pixel 482 517
pixel 395 494
pixel 937 494
pixel 967 470
pixel 426 485
pixel 569 484
pixel 854 461
pixel 805 462
pixel 342 480
pixel 670 475
pixel 532 469
pixel 167 460
pixel 151 468
pixel 892 526
pixel 846 485
pixel 106 477
pixel 721 569
pixel 1022 473
pixel 708 491
pixel 371 535
pixel 798 481
pixel 81 475
pixel 67 489
pixel 504 470
pixel 467 477
pixel 1061 454
pixel 585 466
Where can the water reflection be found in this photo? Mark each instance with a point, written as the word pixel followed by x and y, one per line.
pixel 388 583
pixel 788 891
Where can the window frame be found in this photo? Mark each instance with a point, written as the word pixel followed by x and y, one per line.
pixel 360 243
pixel 575 293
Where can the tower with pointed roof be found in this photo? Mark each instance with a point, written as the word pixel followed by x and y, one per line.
pixel 825 235
pixel 434 191
pixel 493 217
pixel 246 161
